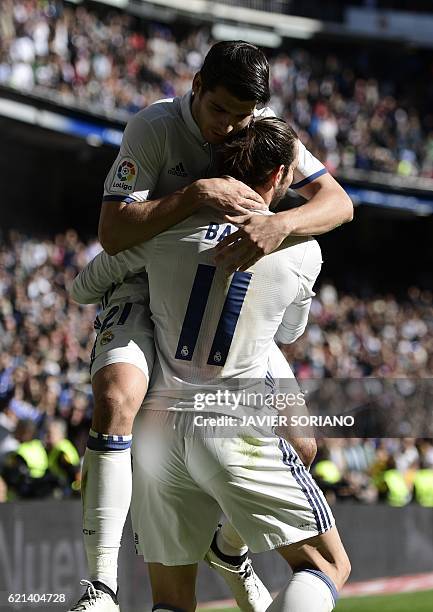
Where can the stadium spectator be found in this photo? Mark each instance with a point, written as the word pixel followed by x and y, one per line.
pixel 343 484
pixel 423 484
pixel 25 470
pixel 352 337
pixel 393 484
pixel 115 64
pixel 8 442
pixel 63 458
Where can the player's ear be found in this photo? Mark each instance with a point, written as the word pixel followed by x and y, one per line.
pixel 277 174
pixel 197 84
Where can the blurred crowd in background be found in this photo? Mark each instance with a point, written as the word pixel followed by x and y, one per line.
pixel 351 107
pixel 45 393
pixel 45 343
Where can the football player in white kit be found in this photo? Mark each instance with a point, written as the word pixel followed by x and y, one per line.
pixel 156 181
pixel 210 328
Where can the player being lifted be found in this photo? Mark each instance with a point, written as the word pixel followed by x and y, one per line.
pixel 212 328
pixel 157 180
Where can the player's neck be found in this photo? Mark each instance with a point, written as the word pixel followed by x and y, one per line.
pixel 266 192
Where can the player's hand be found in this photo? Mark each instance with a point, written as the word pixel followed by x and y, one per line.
pixel 227 195
pixel 258 235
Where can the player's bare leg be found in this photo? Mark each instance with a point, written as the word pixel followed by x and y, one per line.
pixel 173 587
pixel 229 553
pixel 118 390
pixel 320 569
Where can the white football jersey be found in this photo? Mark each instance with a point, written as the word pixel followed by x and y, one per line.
pixel 209 326
pixel 162 151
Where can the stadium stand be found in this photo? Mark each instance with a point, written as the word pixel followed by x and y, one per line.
pixel 347 106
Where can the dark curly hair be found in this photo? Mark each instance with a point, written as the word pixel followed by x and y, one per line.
pixel 238 66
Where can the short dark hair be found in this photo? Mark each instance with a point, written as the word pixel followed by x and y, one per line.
pixel 253 153
pixel 238 66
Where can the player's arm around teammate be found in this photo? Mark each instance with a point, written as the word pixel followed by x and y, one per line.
pixel 123 225
pixel 328 207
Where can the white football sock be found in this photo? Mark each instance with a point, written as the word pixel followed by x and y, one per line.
pixel 229 542
pixel 106 496
pixel 308 591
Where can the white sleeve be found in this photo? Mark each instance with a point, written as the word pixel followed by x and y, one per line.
pixel 138 164
pixel 104 272
pixel 308 169
pixel 295 318
pixel 264 113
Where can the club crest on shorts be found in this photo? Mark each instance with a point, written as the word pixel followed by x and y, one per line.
pixel 106 337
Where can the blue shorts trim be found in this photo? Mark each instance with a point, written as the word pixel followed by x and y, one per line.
pixel 308 486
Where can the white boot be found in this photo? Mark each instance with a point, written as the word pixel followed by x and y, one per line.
pixel 249 591
pixel 97 598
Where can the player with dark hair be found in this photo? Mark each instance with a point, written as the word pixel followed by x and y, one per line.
pixel 239 67
pixel 157 180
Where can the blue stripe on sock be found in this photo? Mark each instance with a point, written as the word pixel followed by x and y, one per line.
pixel 105 442
pixel 327 580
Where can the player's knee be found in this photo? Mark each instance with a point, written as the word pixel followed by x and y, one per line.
pixel 118 392
pixel 114 410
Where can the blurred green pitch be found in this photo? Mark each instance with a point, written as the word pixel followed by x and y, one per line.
pixel 421 601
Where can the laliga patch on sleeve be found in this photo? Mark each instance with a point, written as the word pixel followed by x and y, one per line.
pixel 125 176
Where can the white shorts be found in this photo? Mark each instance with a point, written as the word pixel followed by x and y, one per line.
pixel 185 475
pixel 278 366
pixel 124 335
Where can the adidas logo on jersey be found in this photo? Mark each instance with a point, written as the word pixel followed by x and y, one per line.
pixel 178 170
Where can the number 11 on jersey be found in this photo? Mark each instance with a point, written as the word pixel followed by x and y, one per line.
pixel 228 319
